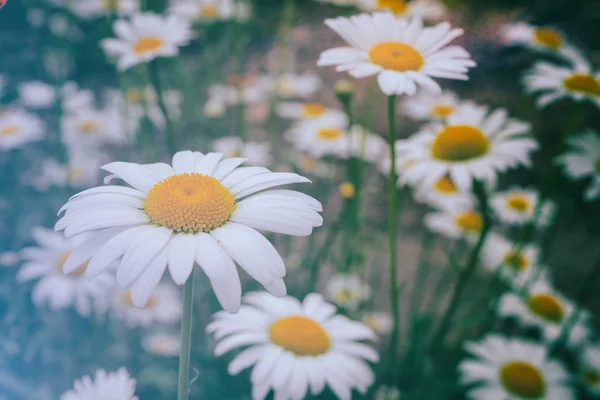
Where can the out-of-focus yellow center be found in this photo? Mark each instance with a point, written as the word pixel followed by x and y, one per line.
pixel 398 7
pixel 548 37
pixel 62 259
pixel 547 307
pixel 147 44
pixel 111 4
pixel 583 83
pixel 75 173
pixel 345 296
pixel 9 130
pixel 515 260
pixel 313 110
pixel 347 190
pixel 517 202
pixel 445 185
pixel 300 335
pixel 396 56
pixel 133 96
pixel 126 299
pixel 329 133
pixel 208 11
pixel 442 111
pixel 189 203
pixel 459 143
pixel 522 379
pixel 88 126
pixel 469 221
pixel 591 376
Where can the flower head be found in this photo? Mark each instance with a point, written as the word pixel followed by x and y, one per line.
pixel 163 307
pixel 541 38
pixel 257 153
pixel 425 9
pixel 583 161
pixel 347 291
pixel 111 385
pixel 518 206
pixel 18 127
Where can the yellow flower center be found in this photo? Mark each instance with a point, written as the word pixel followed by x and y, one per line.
pixel 313 110
pixel 344 296
pixel 111 4
pixel 147 44
pixel 329 133
pixel 547 307
pixel 189 203
pixel 522 379
pixel 517 202
pixel 445 185
pixel 398 7
pixel 208 11
pixel 88 126
pixel 396 56
pixel 300 335
pixel 442 111
pixel 548 37
pixel 583 83
pixel 9 130
pixel 591 376
pixel 459 143
pixel 60 264
pixel 133 96
pixel 515 260
pixel 347 190
pixel 75 173
pixel 126 299
pixel 469 221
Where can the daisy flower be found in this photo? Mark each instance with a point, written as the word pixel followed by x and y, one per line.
pixel 347 291
pixel 309 111
pixel 583 161
pixel 463 221
pixel 90 9
pixel 555 82
pixel 203 209
pixel 367 145
pixel 162 344
pixel 513 369
pixel 502 256
pixel 163 307
pixel 49 173
pixel 443 193
pixel 426 106
pixel 46 263
pixel 36 94
pixel 211 10
pixel 544 307
pixel 517 206
pixel 320 137
pixel 289 85
pixel 247 90
pixel 144 102
pixel 589 368
pixel 111 385
pixel 145 37
pixel 473 144
pixel 425 9
pixel 91 127
pixel 257 153
pixel 401 52
pixel 381 322
pixel 18 127
pixel 545 39
pixel 295 347
pixel 214 108
pixel 388 393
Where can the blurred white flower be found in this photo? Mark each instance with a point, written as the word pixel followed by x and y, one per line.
pixel 517 206
pixel 36 17
pixel 296 348
pixel 583 161
pixel 381 322
pixel 589 368
pixel 425 9
pixel 442 193
pixel 90 9
pixel 400 64
pixel 74 98
pixel 461 221
pixel 257 153
pixel 59 25
pixel 289 85
pixel 50 173
pixel 36 94
pixel 308 111
pixel 211 10
pixel 347 291
pixel 46 263
pixel 2 86
pixel 512 262
pixel 162 344
pixel 19 127
pixel 388 393
pixel 9 259
pixel 248 90
pixel 145 37
pixel 111 385
pixel 544 39
pixel 162 307
pixel 91 127
pixel 320 137
pixel 214 108
pixel 426 106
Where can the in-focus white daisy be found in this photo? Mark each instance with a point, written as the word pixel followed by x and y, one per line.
pixel 426 106
pixel 509 260
pixel 401 52
pixel 163 307
pixel 514 369
pixel 545 39
pixel 18 127
pixel 388 393
pixel 145 37
pixel 554 82
pixel 462 221
pixel 36 94
pixel 320 137
pixel 544 307
pixel 211 10
pixel 46 263
pixel 381 322
pixel 583 161
pixel 517 206
pixel 257 153
pixel 91 127
pixel 112 385
pixel 443 193
pixel 474 144
pixel 90 9
pixel 289 85
pixel 162 344
pixel 203 209
pixel 295 347
pixel 589 368
pixel 347 291
pixel 425 9
pixel 309 111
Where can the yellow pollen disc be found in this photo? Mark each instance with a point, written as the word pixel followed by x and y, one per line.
pixel 126 299
pixel 396 56
pixel 189 203
pixel 398 7
pixel 313 110
pixel 522 379
pixel 88 126
pixel 133 96
pixel 344 296
pixel 469 221
pixel 147 44
pixel 515 261
pixel 459 143
pixel 442 111
pixel 329 133
pixel 300 335
pixel 347 190
pixel 517 202
pixel 209 10
pixel 75 173
pixel 591 376
pixel 548 37
pixel 547 307
pixel 9 130
pixel 60 264
pixel 445 185
pixel 111 4
pixel 583 83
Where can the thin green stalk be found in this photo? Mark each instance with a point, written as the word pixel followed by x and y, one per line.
pixel 392 228
pixel 330 237
pixel 155 78
pixel 422 271
pixel 183 387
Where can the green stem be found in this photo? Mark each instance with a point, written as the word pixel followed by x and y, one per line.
pixel 183 388
pixel 421 273
pixel 155 78
pixel 330 237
